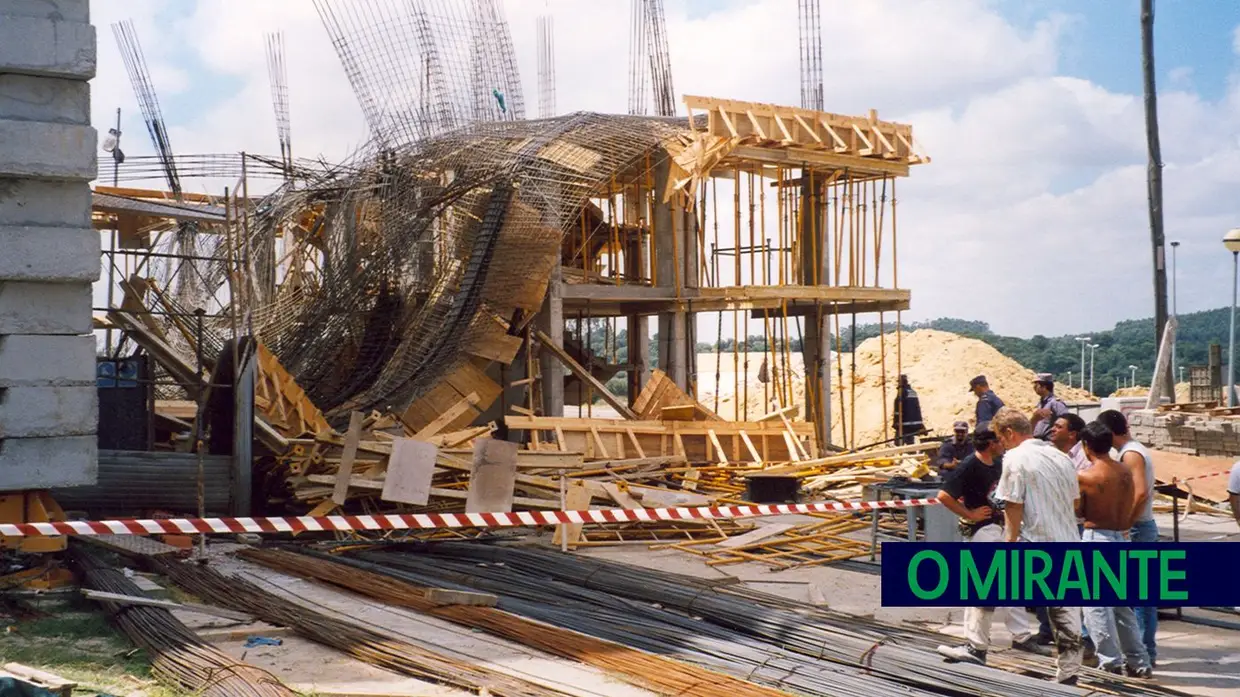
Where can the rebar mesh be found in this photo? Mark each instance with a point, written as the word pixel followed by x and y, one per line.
pixel 389 270
pixel 424 67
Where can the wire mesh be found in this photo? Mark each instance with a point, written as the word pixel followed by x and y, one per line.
pixel 424 67
pixel 374 280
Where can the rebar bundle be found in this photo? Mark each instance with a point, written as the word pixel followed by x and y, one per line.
pixel 177 654
pixel 765 639
pixel 546 67
pixel 278 76
pixel 649 57
pixel 653 672
pixel 148 103
pixel 366 644
pixel 810 34
pixel 424 67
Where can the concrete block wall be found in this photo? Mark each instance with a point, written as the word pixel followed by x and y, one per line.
pixel 1191 434
pixel 49 253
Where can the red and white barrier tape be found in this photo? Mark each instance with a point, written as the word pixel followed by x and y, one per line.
pixel 431 521
pixel 1200 476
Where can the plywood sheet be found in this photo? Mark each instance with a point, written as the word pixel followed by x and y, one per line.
pixel 1168 466
pixel 409 472
pixel 492 477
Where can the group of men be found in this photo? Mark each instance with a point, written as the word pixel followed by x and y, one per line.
pixel 1050 477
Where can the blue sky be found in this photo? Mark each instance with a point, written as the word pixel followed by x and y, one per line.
pixel 1104 43
pixel 1030 108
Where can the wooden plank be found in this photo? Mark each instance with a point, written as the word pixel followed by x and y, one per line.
pixel 40 678
pixel 758 534
pixel 534 459
pixel 352 437
pixel 641 454
pixel 682 412
pixel 584 375
pixel 409 472
pixel 721 457
pixel 120 599
pixel 493 477
pixel 577 499
pixel 753 452
pixel 442 597
pixel 449 416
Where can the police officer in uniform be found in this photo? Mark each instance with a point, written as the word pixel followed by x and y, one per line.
pixel 988 403
pixel 1049 408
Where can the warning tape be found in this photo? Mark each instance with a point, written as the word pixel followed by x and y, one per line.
pixel 431 521
pixel 1200 476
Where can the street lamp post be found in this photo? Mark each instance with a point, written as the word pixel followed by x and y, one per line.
pixel 1174 313
pixel 1133 382
pixel 1232 242
pixel 1092 347
pixel 1181 374
pixel 1084 340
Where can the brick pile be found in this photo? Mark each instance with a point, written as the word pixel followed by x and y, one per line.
pixel 1187 433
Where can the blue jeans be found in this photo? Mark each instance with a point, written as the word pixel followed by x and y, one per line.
pixel 1114 630
pixel 1147 617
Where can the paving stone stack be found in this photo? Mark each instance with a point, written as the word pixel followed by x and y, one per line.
pixel 49 253
pixel 1192 434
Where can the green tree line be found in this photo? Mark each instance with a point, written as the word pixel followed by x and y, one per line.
pixel 1128 343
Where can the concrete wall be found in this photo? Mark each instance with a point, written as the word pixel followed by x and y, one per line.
pixel 49 254
pixel 1192 434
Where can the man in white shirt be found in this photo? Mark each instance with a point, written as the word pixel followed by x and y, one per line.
pixel 1040 492
pixel 1233 491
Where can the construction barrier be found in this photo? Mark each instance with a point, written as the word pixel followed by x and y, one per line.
pixel 432 521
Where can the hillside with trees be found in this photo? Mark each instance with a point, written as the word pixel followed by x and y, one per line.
pixel 1130 342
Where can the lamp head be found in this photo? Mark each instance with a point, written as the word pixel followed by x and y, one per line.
pixel 1232 240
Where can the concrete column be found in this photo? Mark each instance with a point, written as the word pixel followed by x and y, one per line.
pixel 637 257
pixel 551 321
pixel 50 257
pixel 816 346
pixel 670 259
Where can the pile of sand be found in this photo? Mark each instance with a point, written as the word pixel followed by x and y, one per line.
pixel 939 366
pixel 1181 392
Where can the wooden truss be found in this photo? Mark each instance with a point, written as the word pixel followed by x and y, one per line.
pixel 786 135
pixel 696 441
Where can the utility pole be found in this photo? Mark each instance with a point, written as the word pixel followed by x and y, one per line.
pixel 1154 178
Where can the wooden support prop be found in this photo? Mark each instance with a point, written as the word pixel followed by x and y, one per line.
pixel 585 375
pixel 340 491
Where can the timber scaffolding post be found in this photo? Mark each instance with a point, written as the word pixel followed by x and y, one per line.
pixel 824 249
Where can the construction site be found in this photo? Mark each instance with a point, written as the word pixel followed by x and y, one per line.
pixel 434 419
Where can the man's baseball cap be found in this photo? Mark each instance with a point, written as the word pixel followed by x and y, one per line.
pixel 961 426
pixel 979 380
pixel 1045 379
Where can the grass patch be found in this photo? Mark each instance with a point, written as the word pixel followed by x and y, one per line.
pixel 76 642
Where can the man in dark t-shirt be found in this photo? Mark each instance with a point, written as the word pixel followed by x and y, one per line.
pixel 968 493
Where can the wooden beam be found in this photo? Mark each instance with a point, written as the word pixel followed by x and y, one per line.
pixel 584 375
pixel 340 488
pixel 447 417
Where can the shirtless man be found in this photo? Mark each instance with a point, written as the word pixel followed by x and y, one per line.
pixel 1106 505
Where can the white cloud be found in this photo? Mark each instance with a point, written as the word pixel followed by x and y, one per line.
pixel 1031 217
